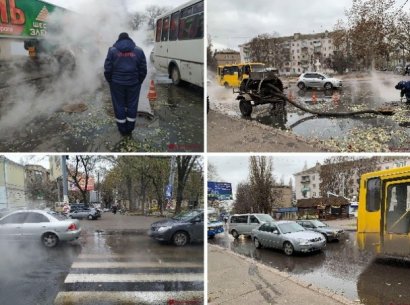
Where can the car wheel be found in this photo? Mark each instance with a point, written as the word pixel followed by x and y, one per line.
pixel 90 217
pixel 180 239
pixel 245 107
pixel 288 248
pixel 226 85
pixel 235 234
pixel 49 240
pixel 258 245
pixel 328 86
pixel 301 86
pixel 175 75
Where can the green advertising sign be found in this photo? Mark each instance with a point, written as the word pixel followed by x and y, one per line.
pixel 24 18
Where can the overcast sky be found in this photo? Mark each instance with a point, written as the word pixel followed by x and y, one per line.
pixel 131 5
pixel 233 22
pixel 234 169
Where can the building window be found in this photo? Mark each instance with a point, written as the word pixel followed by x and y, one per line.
pixel 314 194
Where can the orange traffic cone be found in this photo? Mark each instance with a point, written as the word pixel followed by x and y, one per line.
pixel 152 94
pixel 336 98
pixel 314 97
pixel 290 96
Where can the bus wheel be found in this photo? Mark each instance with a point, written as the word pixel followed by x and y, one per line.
pixel 175 76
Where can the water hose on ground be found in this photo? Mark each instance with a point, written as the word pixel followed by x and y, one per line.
pixel 280 95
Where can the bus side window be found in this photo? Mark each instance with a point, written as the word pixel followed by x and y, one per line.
pixel 373 195
pixel 165 29
pixel 158 31
pixel 173 33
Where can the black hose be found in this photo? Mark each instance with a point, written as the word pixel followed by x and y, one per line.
pixel 280 95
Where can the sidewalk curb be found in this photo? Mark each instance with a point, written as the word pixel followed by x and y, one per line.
pixel 323 291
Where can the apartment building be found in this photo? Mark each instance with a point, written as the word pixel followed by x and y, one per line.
pixel 299 53
pixel 307 182
pixel 227 57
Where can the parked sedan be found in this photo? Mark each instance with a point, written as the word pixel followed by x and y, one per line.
pixel 288 236
pixel 49 227
pixel 318 80
pixel 329 233
pixel 180 229
pixel 90 214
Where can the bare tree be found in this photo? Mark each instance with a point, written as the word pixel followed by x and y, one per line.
pixel 267 49
pixel 371 23
pixel 213 172
pixel 152 12
pixel 339 175
pixel 80 172
pixel 243 199
pixel 262 183
pixel 137 19
pixel 184 168
pixel 210 54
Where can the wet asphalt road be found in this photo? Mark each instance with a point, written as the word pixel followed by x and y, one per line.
pixel 353 133
pixel 118 267
pixel 341 267
pixel 40 124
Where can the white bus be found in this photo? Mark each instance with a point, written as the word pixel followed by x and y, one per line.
pixel 179 43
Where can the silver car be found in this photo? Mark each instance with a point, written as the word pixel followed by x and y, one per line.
pixel 288 236
pixel 317 80
pixel 49 227
pixel 243 224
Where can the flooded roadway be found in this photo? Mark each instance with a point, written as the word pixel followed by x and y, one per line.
pixel 353 133
pixel 177 123
pixel 110 267
pixel 341 267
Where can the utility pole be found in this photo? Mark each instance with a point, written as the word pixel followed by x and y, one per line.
pixel 65 180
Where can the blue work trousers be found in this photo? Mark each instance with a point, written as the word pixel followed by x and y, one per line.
pixel 125 102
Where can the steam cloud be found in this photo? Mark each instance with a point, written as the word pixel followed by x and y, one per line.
pixel 88 35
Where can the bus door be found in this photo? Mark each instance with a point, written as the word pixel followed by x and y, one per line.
pixel 161 45
pixel 396 233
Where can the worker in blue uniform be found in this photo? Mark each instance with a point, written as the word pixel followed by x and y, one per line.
pixel 404 87
pixel 125 69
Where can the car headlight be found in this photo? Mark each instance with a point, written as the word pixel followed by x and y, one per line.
pixel 304 242
pixel 163 229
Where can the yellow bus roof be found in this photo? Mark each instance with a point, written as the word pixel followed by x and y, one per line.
pixel 387 172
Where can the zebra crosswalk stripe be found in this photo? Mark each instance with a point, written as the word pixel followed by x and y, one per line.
pixel 132 282
pixel 138 277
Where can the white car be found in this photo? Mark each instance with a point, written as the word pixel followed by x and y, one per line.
pixel 317 80
pixel 48 227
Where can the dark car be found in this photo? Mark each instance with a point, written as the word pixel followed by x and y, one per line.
pixel 89 213
pixel 181 229
pixel 315 225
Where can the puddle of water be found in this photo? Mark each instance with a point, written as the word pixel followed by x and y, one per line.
pixel 353 133
pixel 341 267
